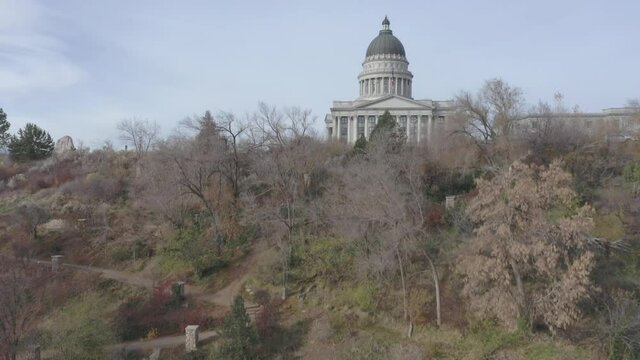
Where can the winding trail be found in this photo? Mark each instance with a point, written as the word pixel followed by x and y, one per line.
pixel 161 342
pixel 223 297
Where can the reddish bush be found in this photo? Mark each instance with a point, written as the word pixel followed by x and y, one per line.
pixel 6 172
pixel 267 319
pixel 434 216
pixel 160 311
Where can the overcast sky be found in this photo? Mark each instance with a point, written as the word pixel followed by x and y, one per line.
pixel 77 67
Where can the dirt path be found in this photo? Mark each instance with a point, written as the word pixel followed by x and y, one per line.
pixel 123 277
pixel 223 297
pixel 161 343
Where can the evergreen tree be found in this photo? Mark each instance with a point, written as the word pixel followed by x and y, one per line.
pixel 4 129
pixel 31 143
pixel 386 133
pixel 385 125
pixel 360 146
pixel 239 338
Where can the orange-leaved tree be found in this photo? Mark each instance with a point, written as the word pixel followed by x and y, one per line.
pixel 529 258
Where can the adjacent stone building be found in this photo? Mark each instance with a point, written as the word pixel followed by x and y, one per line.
pixel 386 85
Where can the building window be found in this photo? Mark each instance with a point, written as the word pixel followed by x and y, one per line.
pixel 360 126
pixel 344 123
pixel 424 119
pixel 386 85
pixel 373 86
pixel 403 124
pixel 440 120
pixel 371 125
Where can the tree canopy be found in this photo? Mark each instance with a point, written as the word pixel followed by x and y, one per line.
pixel 4 129
pixel 239 337
pixel 30 143
pixel 529 259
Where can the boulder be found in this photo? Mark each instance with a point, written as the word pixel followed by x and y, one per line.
pixel 54 225
pixel 64 145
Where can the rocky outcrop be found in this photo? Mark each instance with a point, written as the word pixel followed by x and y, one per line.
pixel 64 145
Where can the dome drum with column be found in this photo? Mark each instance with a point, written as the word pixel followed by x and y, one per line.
pixel 385 70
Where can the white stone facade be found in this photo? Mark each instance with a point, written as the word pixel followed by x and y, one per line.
pixel 386 85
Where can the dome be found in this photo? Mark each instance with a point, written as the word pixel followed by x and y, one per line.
pixel 385 43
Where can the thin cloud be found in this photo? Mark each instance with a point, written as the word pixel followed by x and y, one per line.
pixel 29 59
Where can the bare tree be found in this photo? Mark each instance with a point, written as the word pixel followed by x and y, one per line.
pixel 159 187
pixel 284 156
pixel 140 133
pixel 489 115
pixel 195 165
pixel 380 206
pixel 280 176
pixel 32 215
pixel 232 129
pixel 21 302
pixel 551 130
pixel 270 126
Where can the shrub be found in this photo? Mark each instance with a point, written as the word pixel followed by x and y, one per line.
pixel 268 319
pixel 131 251
pixel 80 329
pixel 364 296
pixel 419 302
pixel 619 327
pixel 159 313
pixel 192 246
pixel 367 348
pixel 326 258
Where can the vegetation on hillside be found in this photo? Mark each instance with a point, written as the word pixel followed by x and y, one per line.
pixel 330 251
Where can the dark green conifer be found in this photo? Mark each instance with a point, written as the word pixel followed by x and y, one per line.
pixel 31 143
pixel 4 129
pixel 239 338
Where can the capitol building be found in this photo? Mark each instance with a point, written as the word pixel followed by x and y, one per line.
pixel 385 84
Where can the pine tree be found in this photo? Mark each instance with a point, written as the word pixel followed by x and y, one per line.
pixel 4 129
pixel 360 146
pixel 239 338
pixel 386 133
pixel 385 124
pixel 31 143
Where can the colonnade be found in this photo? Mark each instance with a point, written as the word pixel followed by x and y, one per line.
pixel 417 127
pixel 385 86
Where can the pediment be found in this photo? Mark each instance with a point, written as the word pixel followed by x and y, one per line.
pixel 393 102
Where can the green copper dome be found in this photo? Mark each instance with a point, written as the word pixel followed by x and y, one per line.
pixel 385 43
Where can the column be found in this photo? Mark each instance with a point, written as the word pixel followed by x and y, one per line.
pixel 406 130
pixel 336 128
pixel 349 129
pixel 366 126
pixel 419 129
pixel 402 87
pixel 429 119
pixel 191 338
pixel 55 262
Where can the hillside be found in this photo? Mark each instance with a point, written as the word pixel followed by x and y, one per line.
pixel 518 248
